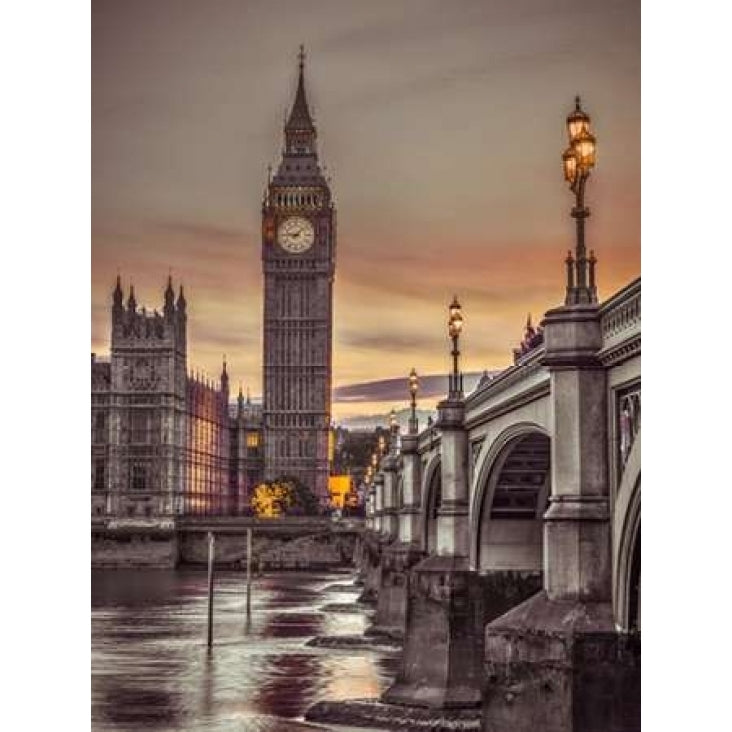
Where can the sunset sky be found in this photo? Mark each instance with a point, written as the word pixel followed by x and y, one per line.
pixel 442 126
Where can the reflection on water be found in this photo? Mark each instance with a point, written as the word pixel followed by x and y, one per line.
pixel 151 669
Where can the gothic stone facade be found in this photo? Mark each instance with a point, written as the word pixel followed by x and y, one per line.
pixel 165 442
pixel 298 259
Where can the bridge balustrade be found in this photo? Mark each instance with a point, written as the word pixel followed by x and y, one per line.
pixel 621 313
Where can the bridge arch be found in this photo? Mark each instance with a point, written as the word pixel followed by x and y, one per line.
pixel 430 503
pixel 627 530
pixel 509 500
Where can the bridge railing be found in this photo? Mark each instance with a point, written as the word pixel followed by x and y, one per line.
pixel 620 316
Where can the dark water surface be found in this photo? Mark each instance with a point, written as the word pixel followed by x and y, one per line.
pixel 151 669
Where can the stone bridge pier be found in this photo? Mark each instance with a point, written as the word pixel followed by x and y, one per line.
pixel 556 661
pixel 443 648
pixel 373 541
pixel 363 557
pixel 402 552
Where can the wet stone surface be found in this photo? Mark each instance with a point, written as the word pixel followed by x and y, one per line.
pixel 368 712
pixel 375 641
pixel 349 608
pixel 343 587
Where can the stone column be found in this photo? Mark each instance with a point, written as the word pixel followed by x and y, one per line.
pixel 452 517
pixel 379 502
pixel 362 557
pixel 401 555
pixel 442 664
pixel 389 467
pixel 373 541
pixel 411 491
pixel 370 494
pixel 577 559
pixel 557 657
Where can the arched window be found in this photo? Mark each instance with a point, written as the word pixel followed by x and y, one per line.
pixel 139 478
pixel 100 474
pixel 100 427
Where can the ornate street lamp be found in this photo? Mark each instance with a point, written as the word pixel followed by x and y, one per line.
pixel 577 161
pixel 454 328
pixel 413 389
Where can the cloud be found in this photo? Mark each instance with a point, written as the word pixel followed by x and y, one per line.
pixel 443 124
pixel 386 340
pixel 432 385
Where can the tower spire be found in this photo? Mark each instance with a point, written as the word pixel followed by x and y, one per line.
pixel 131 302
pixel 181 300
pixel 224 376
pixel 117 307
pixel 169 302
pixel 299 128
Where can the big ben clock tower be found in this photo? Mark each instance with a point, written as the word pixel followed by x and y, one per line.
pixel 298 259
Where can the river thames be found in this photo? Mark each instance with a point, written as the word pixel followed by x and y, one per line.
pixel 151 669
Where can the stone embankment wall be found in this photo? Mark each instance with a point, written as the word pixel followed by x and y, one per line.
pixel 154 549
pixel 290 545
pixel 272 551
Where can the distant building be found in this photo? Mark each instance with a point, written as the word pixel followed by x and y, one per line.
pixel 166 442
pixel 341 489
pixel 247 452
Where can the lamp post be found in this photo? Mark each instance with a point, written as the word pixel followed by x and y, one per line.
pixel 454 327
pixel 578 160
pixel 413 389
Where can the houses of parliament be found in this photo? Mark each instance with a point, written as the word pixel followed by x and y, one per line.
pixel 166 442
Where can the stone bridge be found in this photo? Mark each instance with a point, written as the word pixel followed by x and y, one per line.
pixel 503 541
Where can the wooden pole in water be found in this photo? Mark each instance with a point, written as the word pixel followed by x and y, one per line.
pixel 211 551
pixel 249 572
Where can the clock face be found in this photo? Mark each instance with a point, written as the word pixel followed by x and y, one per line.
pixel 296 235
pixel 268 229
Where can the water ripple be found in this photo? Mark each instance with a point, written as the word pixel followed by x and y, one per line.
pixel 151 669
